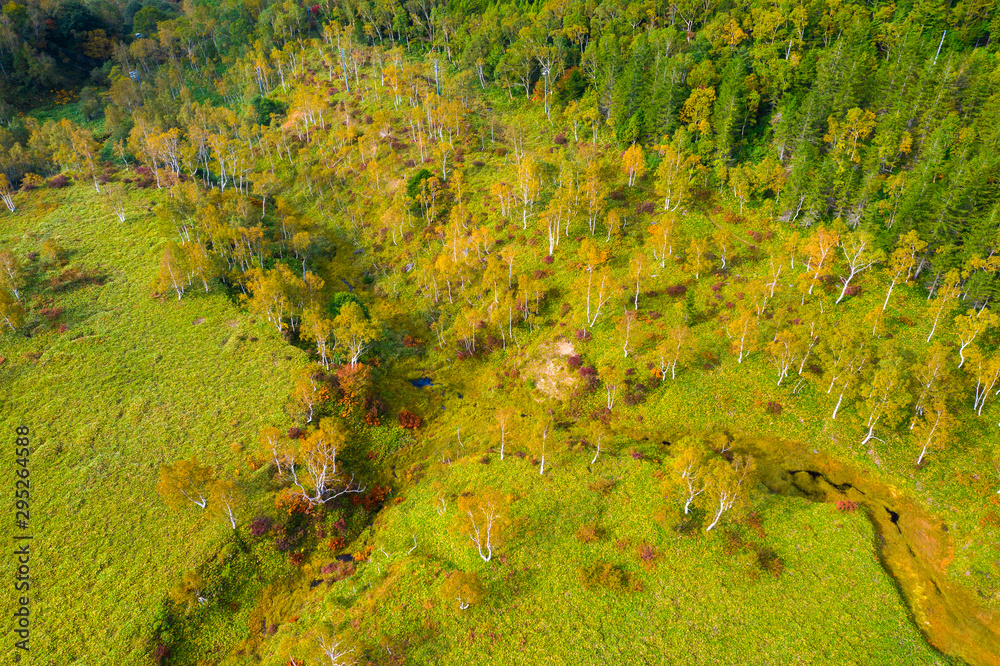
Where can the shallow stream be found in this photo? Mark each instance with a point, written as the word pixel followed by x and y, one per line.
pixel 915 548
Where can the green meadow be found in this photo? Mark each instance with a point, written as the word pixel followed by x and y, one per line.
pixel 696 598
pixel 111 387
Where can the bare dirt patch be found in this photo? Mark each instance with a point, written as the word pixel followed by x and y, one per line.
pixel 550 370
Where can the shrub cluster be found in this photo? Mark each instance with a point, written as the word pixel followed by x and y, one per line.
pixel 260 526
pixel 604 574
pixel 409 420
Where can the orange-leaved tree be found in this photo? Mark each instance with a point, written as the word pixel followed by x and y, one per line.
pixel 186 480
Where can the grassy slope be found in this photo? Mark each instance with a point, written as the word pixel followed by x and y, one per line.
pixel 829 578
pixel 832 604
pixel 131 384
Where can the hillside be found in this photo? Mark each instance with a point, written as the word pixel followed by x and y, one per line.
pixel 113 384
pixel 512 333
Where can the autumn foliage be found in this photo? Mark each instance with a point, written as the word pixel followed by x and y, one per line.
pixel 409 420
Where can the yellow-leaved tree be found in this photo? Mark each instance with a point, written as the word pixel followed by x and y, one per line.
pixel 11 310
pixel 6 192
pixel 354 330
pixel 633 163
pixel 316 462
pixel 482 519
pixel 316 327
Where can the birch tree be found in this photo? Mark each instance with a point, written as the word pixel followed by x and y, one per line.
pixel 116 200
pixel 186 480
pixel 625 326
pixel 636 266
pixel 323 480
pixel 612 376
pixel 742 332
pixel 354 330
pixel 933 431
pixel 270 440
pixel 932 379
pixel 689 468
pixel 782 352
pixel 172 270
pixel 482 520
pixel 598 291
pixel 335 651
pixel 694 260
pixel 845 356
pixel 225 498
pixel 984 370
pixel 671 350
pixel 676 173
pixel 504 416
pixel 594 193
pixel 726 484
pixel 969 326
pixel 7 193
pixel 633 163
pixel 902 262
pixel 661 239
pixel 597 432
pixel 268 296
pixel 319 329
pixel 11 310
pixel 528 186
pixel 859 255
pixel 819 257
pixel 945 297
pixel 725 244
pixel 11 273
pixel 885 396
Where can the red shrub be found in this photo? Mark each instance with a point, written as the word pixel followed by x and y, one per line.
pixel 51 313
pixel 260 526
pixel 409 420
pixel 676 290
pixel 373 499
pixel 339 570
